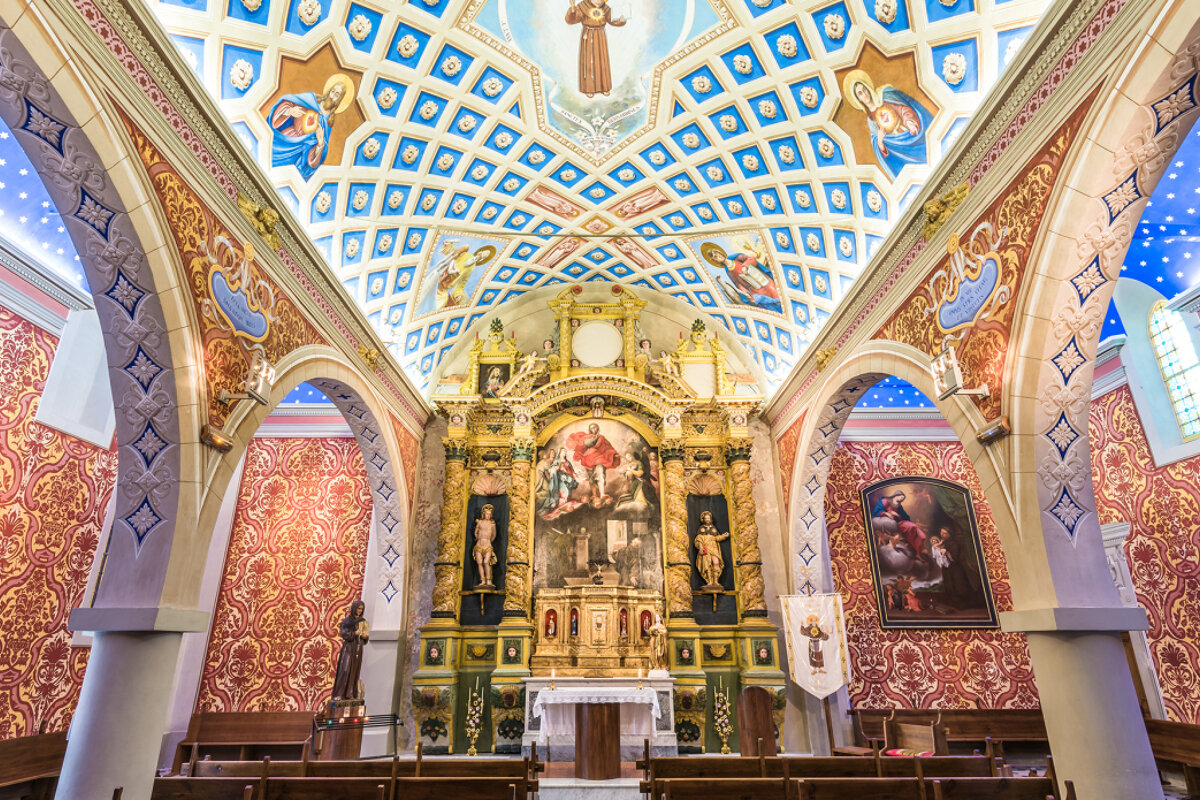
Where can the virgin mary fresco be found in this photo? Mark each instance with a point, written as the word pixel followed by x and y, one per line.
pixel 302 123
pixel 898 123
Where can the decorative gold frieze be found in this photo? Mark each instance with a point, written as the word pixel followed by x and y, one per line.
pixel 263 218
pixel 940 209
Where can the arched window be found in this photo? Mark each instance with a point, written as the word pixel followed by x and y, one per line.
pixel 1180 367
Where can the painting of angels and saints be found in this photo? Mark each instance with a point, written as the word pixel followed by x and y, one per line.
pixel 597 517
pixel 596 58
pixel 926 560
pixel 456 266
pixel 740 265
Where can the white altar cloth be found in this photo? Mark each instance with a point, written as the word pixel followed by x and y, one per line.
pixel 573 695
pixel 646 713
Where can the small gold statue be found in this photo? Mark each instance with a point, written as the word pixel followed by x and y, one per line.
pixel 658 644
pixel 709 561
pixel 483 552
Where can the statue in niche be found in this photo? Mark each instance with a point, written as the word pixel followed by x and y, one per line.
pixel 574 622
pixel 645 622
pixel 355 632
pixel 709 561
pixel 624 623
pixel 551 624
pixel 483 552
pixel 595 76
pixel 658 645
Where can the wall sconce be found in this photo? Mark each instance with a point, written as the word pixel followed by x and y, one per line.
pixel 257 386
pixel 215 439
pixel 947 377
pixel 994 431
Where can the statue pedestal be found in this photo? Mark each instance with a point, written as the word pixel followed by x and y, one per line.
pixel 645 713
pixel 343 743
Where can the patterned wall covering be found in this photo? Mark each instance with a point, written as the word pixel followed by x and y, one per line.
pixel 1163 548
pixel 919 668
pixel 54 491
pixel 787 458
pixel 295 563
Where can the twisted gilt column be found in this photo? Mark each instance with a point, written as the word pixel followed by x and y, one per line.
pixel 448 567
pixel 751 598
pixel 518 560
pixel 679 566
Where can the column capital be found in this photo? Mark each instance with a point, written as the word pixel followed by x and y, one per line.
pixel 456 449
pixel 522 449
pixel 738 450
pixel 154 619
pixel 670 450
pixel 1066 619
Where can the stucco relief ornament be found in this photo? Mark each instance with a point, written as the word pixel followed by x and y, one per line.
pixel 874 201
pixel 396 315
pixel 568 174
pixel 324 201
pixel 479 172
pixel 735 208
pixel 809 96
pixel 626 175
pixel 825 147
pixel 768 109
pixel 743 64
pixel 371 148
pixel 490 212
pixel 252 5
pixel 395 199
pixel 683 184
pixel 384 243
pixel 360 200
pixel 767 202
pixel 519 219
pixel 241 74
pixel 802 198
pixel 820 284
pixel 407 46
pixel 885 11
pixel 781 239
pixel 728 122
pixel 309 12
pixel 750 162
pixel 467 123
pixel 786 154
pixel 511 185
pixel 503 139
pixel 524 251
pixel 351 248
pixel 459 206
pixel 671 252
pixel 410 154
pixel 835 26
pixel 691 141
pixel 845 246
pixel 812 242
pixel 414 241
pixel 705 213
pixel 677 220
pixel 387 98
pixel 492 86
pixel 838 198
pixel 429 110
pixel 451 66
pixel 658 158
pixel 786 46
pixel 701 84
pixel 596 192
pixel 1014 47
pixel 714 173
pixel 445 161
pixel 546 230
pixel 377 285
pixel 954 68
pixel 537 156
pixel 359 28
pixel 428 202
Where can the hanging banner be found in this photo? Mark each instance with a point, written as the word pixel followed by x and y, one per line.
pixel 815 631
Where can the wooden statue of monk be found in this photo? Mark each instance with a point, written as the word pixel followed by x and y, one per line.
pixel 595 77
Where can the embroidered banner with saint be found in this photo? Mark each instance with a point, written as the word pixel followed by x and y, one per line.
pixel 815 631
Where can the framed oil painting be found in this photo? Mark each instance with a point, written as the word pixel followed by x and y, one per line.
pixel 926 559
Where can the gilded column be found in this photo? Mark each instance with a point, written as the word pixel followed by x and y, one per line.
pixel 751 598
pixel 520 550
pixel 679 566
pixel 448 567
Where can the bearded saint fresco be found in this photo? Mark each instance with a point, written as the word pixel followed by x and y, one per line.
pixel 898 124
pixel 302 123
pixel 741 268
pixel 595 76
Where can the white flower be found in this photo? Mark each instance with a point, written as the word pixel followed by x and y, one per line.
pixel 384 243
pixel 691 140
pixel 885 11
pixel 466 123
pixel 324 201
pixel 503 139
pixel 371 148
pixel 309 11
pixel 1014 47
pixel 809 97
pixel 658 158
pixel 626 175
pixel 825 147
pixel 241 74
pixel 359 201
pixel 492 86
pixel 678 220
pixel 252 5
pixel 429 110
pixel 705 212
pixel 597 192
pixel 568 174
pixel 835 26
pixel 407 46
pixel 671 252
pixel 819 283
pixel 874 200
pixel 359 27
pixel 838 198
pixel 812 242
pixel 786 46
pixel 714 173
pixel 479 172
pixel 954 68
pixel 701 84
pixel 767 108
pixel 395 199
pixel 802 198
pixel 683 184
pixel 767 201
pixel 410 154
pixel 451 66
pixel 782 240
pixel 511 185
pixel 377 285
pixel 351 248
pixel 524 251
pixel 460 205
pixel 743 63
pixel 786 154
pixel 402 280
pixel 428 202
pixel 489 212
pixel 750 162
pixel 414 241
pixel 735 208
pixel 445 161
pixel 728 122
pixel 537 156
pixel 845 246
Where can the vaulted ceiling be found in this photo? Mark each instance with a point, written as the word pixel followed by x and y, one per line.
pixel 471 165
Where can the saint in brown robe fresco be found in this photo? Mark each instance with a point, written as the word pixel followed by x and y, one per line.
pixel 595 77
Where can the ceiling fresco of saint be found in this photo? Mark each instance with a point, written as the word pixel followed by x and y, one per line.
pixel 743 156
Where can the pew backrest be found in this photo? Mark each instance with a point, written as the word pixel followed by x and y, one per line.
pixel 858 789
pixel 992 789
pixel 723 788
pixel 201 788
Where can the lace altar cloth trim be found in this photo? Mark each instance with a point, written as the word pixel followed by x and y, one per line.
pixel 597 694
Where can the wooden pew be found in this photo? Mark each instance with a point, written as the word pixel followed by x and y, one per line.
pixel 1177 743
pixel 244 736
pixel 914 738
pixel 860 789
pixel 998 789
pixel 724 788
pixel 343 787
pixel 175 788
pixel 445 767
pixel 36 760
pixel 962 725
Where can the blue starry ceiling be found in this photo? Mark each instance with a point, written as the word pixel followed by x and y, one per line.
pixel 305 394
pixel 892 392
pixel 1165 251
pixel 448 156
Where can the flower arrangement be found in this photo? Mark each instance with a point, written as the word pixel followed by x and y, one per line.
pixel 474 717
pixel 721 724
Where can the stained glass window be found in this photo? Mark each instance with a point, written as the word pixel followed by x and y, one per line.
pixel 1179 365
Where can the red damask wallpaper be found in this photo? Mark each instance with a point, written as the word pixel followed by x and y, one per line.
pixel 296 557
pixel 54 492
pixel 1163 547
pixel 919 668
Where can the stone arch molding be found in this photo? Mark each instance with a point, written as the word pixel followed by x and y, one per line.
pixel 126 295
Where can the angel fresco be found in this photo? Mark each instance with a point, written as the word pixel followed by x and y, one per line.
pixel 301 124
pixel 898 123
pixel 595 76
pixel 744 276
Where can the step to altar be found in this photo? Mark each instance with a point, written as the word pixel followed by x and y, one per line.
pixel 576 789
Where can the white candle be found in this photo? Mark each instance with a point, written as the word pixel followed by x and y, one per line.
pixel 639 673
